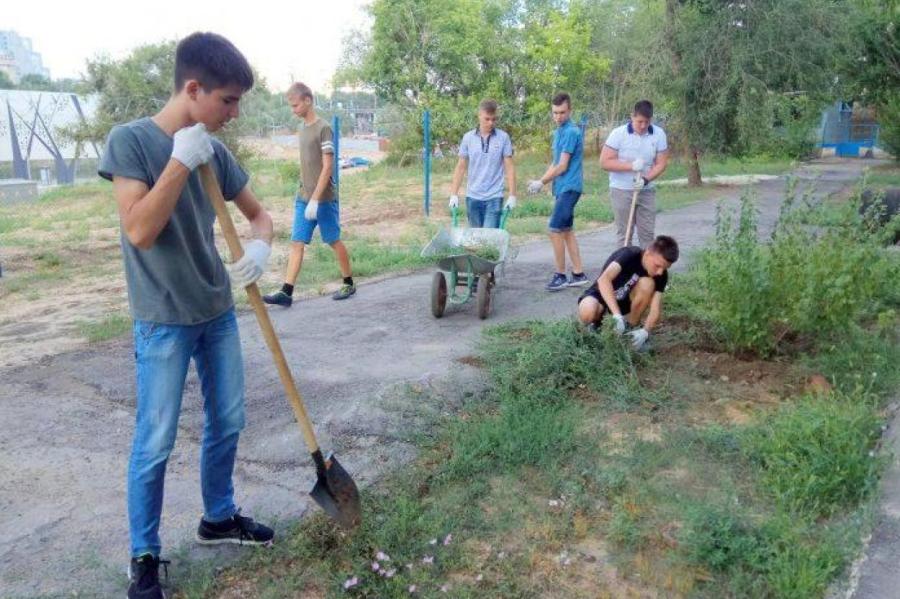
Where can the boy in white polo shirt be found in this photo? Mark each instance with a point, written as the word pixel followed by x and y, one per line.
pixel 635 154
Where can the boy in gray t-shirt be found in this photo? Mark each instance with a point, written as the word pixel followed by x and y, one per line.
pixel 179 292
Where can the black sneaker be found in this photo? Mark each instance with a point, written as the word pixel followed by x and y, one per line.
pixel 559 281
pixel 344 292
pixel 144 576
pixel 238 529
pixel 577 280
pixel 279 298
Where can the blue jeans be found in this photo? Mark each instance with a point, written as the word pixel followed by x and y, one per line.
pixel 484 213
pixel 163 353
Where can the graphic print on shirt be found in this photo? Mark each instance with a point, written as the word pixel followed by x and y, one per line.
pixel 623 291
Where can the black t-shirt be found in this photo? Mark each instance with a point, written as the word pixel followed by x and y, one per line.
pixel 629 258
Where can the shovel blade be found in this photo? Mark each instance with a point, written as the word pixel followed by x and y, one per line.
pixel 336 493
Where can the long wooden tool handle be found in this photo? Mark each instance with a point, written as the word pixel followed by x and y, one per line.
pixel 211 185
pixel 630 228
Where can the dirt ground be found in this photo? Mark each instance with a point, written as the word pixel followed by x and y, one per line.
pixel 64 460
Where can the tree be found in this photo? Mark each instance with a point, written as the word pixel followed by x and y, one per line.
pixel 6 82
pixel 136 86
pixel 872 70
pixel 448 56
pixel 738 69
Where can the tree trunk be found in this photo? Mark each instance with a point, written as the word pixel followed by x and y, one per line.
pixel 693 152
pixel 694 179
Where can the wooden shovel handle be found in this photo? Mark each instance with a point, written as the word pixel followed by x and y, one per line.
pixel 211 185
pixel 630 228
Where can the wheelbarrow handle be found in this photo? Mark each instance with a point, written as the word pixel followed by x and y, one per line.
pixel 503 216
pixel 454 215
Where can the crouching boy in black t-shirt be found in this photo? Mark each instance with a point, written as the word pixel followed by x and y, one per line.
pixel 632 281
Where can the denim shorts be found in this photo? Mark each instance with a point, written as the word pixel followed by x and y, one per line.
pixel 328 219
pixel 563 216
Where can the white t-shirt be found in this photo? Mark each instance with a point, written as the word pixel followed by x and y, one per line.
pixel 632 146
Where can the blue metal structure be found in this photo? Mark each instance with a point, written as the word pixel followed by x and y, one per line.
pixel 847 136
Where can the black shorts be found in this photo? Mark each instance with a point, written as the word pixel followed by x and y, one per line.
pixel 594 292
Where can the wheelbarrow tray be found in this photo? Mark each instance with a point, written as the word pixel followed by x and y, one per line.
pixel 445 245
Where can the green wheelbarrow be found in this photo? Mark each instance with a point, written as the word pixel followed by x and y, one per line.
pixel 468 258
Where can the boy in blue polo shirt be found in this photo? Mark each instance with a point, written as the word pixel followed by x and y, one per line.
pixel 316 204
pixel 489 153
pixel 566 175
pixel 635 154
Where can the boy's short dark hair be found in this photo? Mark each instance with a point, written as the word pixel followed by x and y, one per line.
pixel 644 108
pixel 562 98
pixel 666 247
pixel 213 61
pixel 299 90
pixel 488 106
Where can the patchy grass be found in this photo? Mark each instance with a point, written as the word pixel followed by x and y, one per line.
pixel 583 470
pixel 110 327
pixel 568 480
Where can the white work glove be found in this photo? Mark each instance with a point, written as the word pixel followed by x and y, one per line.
pixel 252 264
pixel 639 181
pixel 619 323
pixel 312 210
pixel 638 165
pixel 192 146
pixel 454 201
pixel 510 202
pixel 639 337
pixel 535 186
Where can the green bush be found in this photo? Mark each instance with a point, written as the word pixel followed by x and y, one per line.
pixel 717 539
pixel 737 282
pixel 817 454
pixel 810 280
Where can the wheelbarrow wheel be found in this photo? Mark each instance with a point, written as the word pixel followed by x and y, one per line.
pixel 438 294
pixel 483 296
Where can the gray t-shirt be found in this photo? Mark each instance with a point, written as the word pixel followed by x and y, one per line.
pixel 181 279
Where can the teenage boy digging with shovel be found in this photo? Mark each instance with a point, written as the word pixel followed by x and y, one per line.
pixel 179 292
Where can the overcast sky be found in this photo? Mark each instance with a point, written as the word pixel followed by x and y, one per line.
pixel 285 41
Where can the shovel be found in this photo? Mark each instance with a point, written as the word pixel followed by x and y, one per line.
pixel 334 491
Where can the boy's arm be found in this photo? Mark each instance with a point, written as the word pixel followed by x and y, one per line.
pixel 510 169
pixel 324 177
pixel 655 313
pixel 458 175
pixel 143 211
pixel 605 284
pixel 260 221
pixel 659 166
pixel 609 161
pixel 555 170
